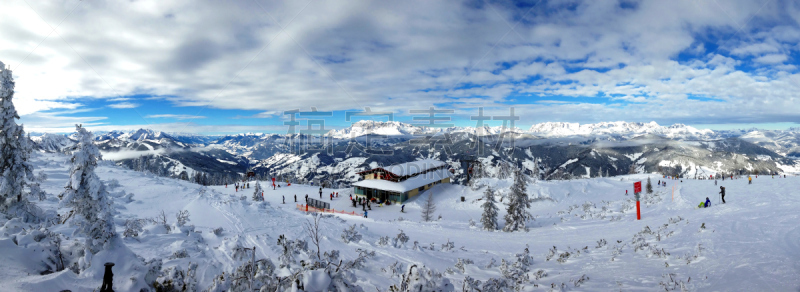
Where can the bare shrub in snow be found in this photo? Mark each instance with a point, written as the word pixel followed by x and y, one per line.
pixel 400 240
pixel 517 273
pixel 55 255
pixel 132 227
pixel 578 282
pixel 428 208
pixel 383 241
pixel 601 243
pixel 461 264
pixel 422 279
pixel 395 270
pixel 312 230
pixel 672 283
pixel 180 254
pixel 182 217
pixel 350 234
pixel 161 219
pixel 218 231
pixel 448 246
pixel 177 279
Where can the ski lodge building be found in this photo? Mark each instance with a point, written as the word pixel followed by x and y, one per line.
pixel 400 182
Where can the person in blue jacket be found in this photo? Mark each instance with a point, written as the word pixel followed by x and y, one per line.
pixel 708 203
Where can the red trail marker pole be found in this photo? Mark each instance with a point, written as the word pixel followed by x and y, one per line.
pixel 638 211
pixel 637 188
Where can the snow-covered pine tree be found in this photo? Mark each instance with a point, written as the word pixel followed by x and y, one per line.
pixel 489 218
pixel 428 208
pixel 649 186
pixel 86 194
pixel 14 152
pixel 257 193
pixel 518 203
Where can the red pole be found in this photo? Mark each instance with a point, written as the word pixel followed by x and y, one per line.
pixel 307 206
pixel 638 211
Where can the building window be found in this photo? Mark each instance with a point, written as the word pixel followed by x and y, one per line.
pixel 422 188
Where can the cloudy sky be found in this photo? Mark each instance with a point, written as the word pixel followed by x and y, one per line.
pixel 237 66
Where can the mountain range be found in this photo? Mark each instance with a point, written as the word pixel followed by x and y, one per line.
pixel 551 150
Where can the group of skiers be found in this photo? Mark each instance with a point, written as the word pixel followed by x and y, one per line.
pixel 708 201
pixel 365 204
pixel 243 185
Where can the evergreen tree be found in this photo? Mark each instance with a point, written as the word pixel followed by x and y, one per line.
pixel 86 194
pixel 14 151
pixel 517 213
pixel 649 186
pixel 489 218
pixel 257 196
pixel 428 208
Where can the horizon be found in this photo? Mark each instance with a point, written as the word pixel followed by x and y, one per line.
pixel 143 64
pixel 525 129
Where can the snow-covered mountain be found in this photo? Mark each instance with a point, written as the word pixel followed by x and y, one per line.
pixel 786 143
pixel 551 150
pixel 392 128
pixel 626 130
pixel 52 142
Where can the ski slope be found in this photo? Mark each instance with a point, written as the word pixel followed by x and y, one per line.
pixel 751 243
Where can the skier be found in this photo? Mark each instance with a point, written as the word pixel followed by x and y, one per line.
pixel 749 180
pixel 626 192
pixel 403 208
pixel 708 202
pixel 226 185
pixel 722 192
pixel 331 197
pixel 295 198
pixel 284 199
pixel 306 198
pixel 365 214
pixel 715 182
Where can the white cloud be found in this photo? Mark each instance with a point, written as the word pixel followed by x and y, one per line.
pixel 123 105
pixel 171 116
pixel 772 59
pixel 400 55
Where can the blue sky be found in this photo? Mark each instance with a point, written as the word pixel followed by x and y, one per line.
pixel 235 67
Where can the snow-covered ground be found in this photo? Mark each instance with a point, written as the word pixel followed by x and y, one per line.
pixel 586 228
